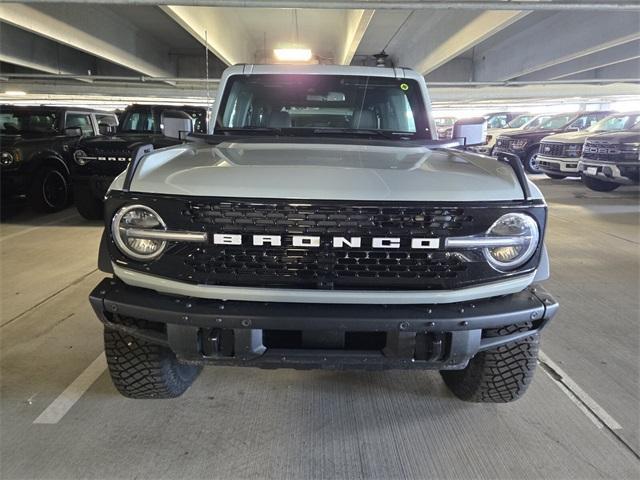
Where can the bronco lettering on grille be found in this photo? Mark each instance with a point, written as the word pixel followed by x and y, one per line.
pixel 313 241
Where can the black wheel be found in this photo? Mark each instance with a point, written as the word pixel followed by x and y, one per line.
pixel 555 176
pixel 599 185
pixel 143 370
pixel 49 190
pixel 88 206
pixel 499 375
pixel 530 163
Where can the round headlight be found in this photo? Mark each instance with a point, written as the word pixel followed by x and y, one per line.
pixel 6 158
pixel 523 235
pixel 126 226
pixel 80 157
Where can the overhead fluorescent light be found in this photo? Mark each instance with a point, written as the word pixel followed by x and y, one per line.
pixel 292 54
pixel 15 93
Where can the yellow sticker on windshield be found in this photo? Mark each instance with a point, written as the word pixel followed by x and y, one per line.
pixel 404 86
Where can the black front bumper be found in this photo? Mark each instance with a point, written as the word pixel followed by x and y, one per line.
pixel 294 335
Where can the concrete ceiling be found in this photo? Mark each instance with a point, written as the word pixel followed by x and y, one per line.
pixel 445 41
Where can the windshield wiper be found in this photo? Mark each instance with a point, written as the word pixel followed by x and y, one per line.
pixel 233 130
pixel 367 132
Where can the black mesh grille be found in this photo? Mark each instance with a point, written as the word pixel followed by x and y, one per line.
pixel 601 150
pixel 552 149
pixel 324 266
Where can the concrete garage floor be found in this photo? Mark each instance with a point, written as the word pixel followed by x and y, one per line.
pixel 579 421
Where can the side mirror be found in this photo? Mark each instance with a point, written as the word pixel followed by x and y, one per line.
pixel 106 129
pixel 173 123
pixel 73 132
pixel 470 131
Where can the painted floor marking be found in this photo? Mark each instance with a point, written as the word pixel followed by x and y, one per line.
pixel 61 405
pixel 582 399
pixel 36 227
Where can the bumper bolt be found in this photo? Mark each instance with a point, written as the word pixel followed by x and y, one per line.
pixel 185 318
pixel 246 322
pixel 464 323
pixel 404 325
pixel 534 315
pixel 431 324
pixel 114 308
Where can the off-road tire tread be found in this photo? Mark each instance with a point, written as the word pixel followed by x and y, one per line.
pixel 89 207
pixel 500 375
pixel 143 370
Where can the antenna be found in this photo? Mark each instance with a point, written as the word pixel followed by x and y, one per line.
pixel 206 67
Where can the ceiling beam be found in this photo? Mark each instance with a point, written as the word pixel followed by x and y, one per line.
pixel 96 30
pixel 446 43
pixel 26 49
pixel 217 29
pixel 603 58
pixel 533 5
pixel 357 22
pixel 556 39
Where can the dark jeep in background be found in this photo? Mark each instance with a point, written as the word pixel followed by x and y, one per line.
pixel 611 159
pixel 34 142
pixel 525 144
pixel 559 154
pixel 98 160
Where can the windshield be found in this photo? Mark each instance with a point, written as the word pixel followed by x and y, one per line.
pixel 615 122
pixel 304 105
pixel 519 121
pixel 140 121
pixel 536 122
pixel 18 122
pixel 556 121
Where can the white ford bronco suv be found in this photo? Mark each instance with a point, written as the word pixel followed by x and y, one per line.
pixel 322 224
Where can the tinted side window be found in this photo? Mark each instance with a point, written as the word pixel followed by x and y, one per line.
pixel 81 120
pixel 110 120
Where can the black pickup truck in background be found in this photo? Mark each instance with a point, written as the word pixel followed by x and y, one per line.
pixel 34 146
pixel 98 160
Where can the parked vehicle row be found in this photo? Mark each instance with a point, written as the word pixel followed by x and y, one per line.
pixel 52 154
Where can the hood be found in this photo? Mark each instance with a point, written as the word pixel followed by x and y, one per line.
pixel 569 137
pixel 325 171
pixel 627 136
pixel 529 134
pixel 118 142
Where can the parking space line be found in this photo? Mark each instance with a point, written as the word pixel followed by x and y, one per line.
pixel 588 405
pixel 36 227
pixel 61 405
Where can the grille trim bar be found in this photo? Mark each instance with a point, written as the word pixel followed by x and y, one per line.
pixel 167 235
pixel 295 295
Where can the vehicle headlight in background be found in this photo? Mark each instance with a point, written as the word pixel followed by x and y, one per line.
pixel 574 150
pixel 6 158
pixel 518 144
pixel 128 228
pixel 521 236
pixel 630 151
pixel 80 157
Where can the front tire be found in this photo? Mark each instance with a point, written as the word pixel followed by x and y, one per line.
pixel 90 207
pixel 49 191
pixel 599 185
pixel 499 375
pixel 530 164
pixel 144 370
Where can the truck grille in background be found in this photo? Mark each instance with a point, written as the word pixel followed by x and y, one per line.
pixel 552 149
pixel 503 143
pixel 601 150
pixel 323 267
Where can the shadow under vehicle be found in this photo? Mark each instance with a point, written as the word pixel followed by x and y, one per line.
pixel 98 160
pixel 34 143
